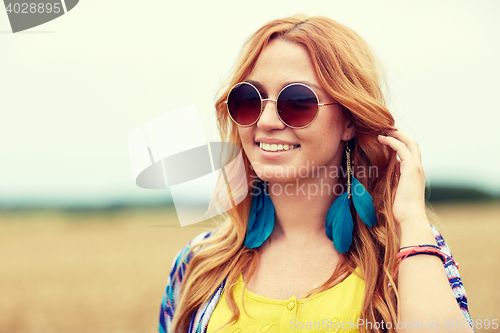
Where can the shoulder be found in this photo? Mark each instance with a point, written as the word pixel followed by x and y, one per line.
pixel 172 290
pixel 182 256
pixel 181 260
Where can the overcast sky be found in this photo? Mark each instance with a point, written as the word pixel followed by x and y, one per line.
pixel 73 89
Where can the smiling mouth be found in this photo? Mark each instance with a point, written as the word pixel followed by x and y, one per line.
pixel 276 146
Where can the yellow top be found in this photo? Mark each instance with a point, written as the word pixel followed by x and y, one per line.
pixel 333 310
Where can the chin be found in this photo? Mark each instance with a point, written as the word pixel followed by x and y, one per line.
pixel 274 173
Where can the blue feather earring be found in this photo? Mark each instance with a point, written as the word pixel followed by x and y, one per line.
pixel 261 219
pixel 339 224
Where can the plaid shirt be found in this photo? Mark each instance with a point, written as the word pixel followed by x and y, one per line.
pixel 199 320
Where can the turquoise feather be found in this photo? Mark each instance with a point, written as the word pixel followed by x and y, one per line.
pixel 363 203
pixel 339 224
pixel 261 219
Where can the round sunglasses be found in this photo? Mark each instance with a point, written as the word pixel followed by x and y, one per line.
pixel 297 104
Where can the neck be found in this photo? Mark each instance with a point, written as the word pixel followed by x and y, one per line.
pixel 301 206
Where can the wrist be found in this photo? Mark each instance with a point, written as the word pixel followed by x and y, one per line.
pixel 415 233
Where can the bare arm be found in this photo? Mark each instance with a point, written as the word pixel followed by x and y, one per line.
pixel 425 294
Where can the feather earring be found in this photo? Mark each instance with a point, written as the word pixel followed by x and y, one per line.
pixel 261 219
pixel 339 223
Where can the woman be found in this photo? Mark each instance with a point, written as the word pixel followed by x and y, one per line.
pixel 334 235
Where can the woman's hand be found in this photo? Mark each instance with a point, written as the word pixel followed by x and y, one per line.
pixel 424 289
pixel 409 203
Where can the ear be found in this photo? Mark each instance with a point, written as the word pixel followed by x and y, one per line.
pixel 349 131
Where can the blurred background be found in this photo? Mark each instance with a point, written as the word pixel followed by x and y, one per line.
pixel 83 249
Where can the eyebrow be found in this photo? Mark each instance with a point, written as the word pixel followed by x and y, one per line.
pixel 310 84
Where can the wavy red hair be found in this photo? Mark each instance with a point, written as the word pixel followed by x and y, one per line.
pixel 348 72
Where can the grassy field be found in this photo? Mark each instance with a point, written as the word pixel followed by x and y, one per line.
pixel 105 272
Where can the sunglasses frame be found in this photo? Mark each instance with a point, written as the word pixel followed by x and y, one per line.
pixel 262 100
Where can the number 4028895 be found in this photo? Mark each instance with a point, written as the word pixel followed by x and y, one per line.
pixel 477 324
pixel 32 8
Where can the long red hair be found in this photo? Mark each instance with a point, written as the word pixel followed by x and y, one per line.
pixel 348 72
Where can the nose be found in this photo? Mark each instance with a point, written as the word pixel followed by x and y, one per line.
pixel 269 118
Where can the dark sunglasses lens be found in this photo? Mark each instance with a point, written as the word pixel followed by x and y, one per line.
pixel 243 104
pixel 297 105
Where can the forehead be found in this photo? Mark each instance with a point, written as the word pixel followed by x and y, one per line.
pixel 282 62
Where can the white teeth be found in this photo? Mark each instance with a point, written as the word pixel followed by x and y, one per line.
pixel 276 147
pixel 265 146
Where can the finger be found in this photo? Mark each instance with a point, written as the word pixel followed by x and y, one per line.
pixel 409 142
pixel 399 147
